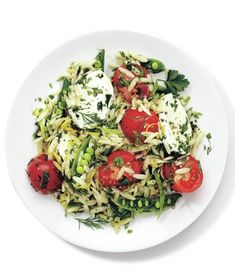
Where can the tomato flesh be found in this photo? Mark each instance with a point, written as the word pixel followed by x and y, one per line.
pixel 108 172
pixel 134 123
pixel 187 182
pixel 168 170
pixel 122 81
pixel 43 175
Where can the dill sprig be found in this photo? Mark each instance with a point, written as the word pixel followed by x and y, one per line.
pixel 92 222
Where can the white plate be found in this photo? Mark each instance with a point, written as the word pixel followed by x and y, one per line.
pixel 147 230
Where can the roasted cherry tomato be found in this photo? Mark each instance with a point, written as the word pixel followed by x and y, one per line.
pixel 122 82
pixel 188 181
pixel 135 122
pixel 43 175
pixel 108 174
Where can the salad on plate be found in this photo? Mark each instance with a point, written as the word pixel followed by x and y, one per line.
pixel 111 147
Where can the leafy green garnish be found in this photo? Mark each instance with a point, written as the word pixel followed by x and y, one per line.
pixel 45 179
pixel 99 106
pixel 118 161
pixel 92 222
pixel 208 148
pixel 89 118
pixel 175 83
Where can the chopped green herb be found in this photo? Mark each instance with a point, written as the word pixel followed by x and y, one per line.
pixel 45 179
pixel 208 148
pixel 118 161
pixel 99 106
pixel 107 99
pixel 92 222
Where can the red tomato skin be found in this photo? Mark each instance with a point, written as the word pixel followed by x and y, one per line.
pixel 107 176
pixel 126 156
pixel 189 182
pixel 107 173
pixel 43 175
pixel 134 123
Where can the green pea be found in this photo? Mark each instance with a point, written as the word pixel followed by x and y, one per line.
pixel 98 64
pixel 87 157
pixel 84 162
pixel 90 151
pixel 123 202
pixel 146 203
pixel 80 170
pixel 157 204
pixel 154 65
pixel 132 203
pixel 139 203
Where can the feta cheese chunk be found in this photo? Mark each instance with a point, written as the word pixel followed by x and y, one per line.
pixel 90 99
pixel 175 129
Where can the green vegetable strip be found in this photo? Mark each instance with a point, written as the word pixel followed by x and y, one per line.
pixel 161 192
pixel 142 204
pixel 154 65
pixel 79 153
pixel 65 87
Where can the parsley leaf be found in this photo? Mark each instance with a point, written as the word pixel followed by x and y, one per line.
pixel 175 82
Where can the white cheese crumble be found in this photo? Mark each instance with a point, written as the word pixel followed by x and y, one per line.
pixel 90 100
pixel 175 129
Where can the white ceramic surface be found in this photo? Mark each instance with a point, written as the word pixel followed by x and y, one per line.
pixel 147 230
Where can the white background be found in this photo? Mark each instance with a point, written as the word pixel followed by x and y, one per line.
pixel 31 29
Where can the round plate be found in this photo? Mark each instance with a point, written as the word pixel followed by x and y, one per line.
pixel 147 230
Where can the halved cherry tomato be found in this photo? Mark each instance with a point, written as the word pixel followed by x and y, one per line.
pixel 43 175
pixel 187 182
pixel 134 123
pixel 121 81
pixel 108 173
